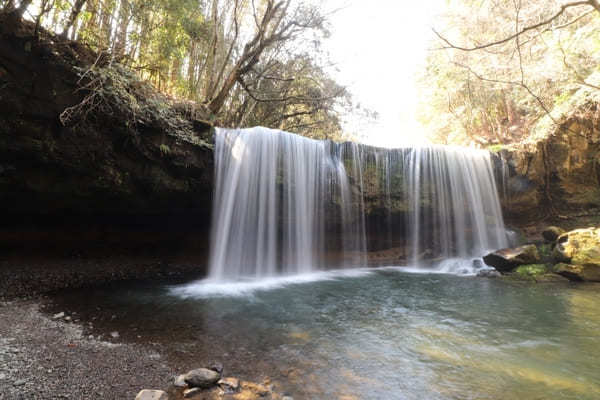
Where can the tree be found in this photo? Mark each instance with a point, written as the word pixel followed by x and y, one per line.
pixel 499 68
pixel 245 62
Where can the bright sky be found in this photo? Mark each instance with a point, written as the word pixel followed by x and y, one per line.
pixel 378 46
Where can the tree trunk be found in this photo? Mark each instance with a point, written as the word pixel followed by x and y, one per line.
pixel 212 54
pixel 121 39
pixel 75 11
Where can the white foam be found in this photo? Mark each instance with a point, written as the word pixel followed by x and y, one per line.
pixel 450 266
pixel 208 288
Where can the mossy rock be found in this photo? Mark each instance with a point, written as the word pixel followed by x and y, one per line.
pixel 531 270
pixel 540 273
pixel 578 254
pixel 578 273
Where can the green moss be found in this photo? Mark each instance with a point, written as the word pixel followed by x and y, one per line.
pixel 165 149
pixel 545 250
pixel 496 148
pixel 530 271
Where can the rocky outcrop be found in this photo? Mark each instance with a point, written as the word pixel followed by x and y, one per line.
pixel 579 254
pixel 505 260
pixel 80 136
pixel 574 255
pixel 556 174
pixel 93 163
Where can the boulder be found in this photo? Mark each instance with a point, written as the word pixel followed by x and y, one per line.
pixel 578 254
pixel 551 233
pixel 202 378
pixel 578 273
pixel 505 260
pixel 152 395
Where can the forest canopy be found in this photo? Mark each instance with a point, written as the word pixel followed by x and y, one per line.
pixel 497 72
pixel 244 62
pixel 501 71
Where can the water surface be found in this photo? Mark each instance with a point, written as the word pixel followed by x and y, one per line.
pixel 369 334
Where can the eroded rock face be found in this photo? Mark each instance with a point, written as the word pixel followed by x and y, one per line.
pixel 505 260
pixel 578 252
pixel 557 175
pixel 101 163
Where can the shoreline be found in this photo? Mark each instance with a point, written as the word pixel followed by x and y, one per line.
pixel 46 358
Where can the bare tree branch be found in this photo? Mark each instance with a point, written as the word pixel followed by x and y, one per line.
pixel 563 8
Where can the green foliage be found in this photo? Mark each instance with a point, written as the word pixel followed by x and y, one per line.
pixel 545 250
pixel 496 148
pixel 165 149
pixel 531 271
pixel 259 75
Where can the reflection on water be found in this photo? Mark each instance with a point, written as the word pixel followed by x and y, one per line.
pixel 382 334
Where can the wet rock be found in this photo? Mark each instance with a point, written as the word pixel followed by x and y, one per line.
pixel 506 260
pixel 229 384
pixel 152 395
pixel 578 254
pixel 488 273
pixel 551 233
pixel 202 377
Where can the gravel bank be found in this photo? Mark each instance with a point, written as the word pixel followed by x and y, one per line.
pixel 42 358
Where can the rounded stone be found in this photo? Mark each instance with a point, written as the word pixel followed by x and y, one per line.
pixel 202 377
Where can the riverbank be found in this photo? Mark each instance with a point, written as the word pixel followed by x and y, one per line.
pixel 46 358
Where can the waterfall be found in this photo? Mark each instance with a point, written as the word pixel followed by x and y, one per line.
pixel 286 204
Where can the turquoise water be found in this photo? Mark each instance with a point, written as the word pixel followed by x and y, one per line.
pixel 376 334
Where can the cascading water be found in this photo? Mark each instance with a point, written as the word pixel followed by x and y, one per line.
pixel 284 203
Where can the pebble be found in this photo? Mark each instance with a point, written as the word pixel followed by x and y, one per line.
pixel 20 382
pixel 68 319
pixel 2 377
pixel 59 315
pixel 114 334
